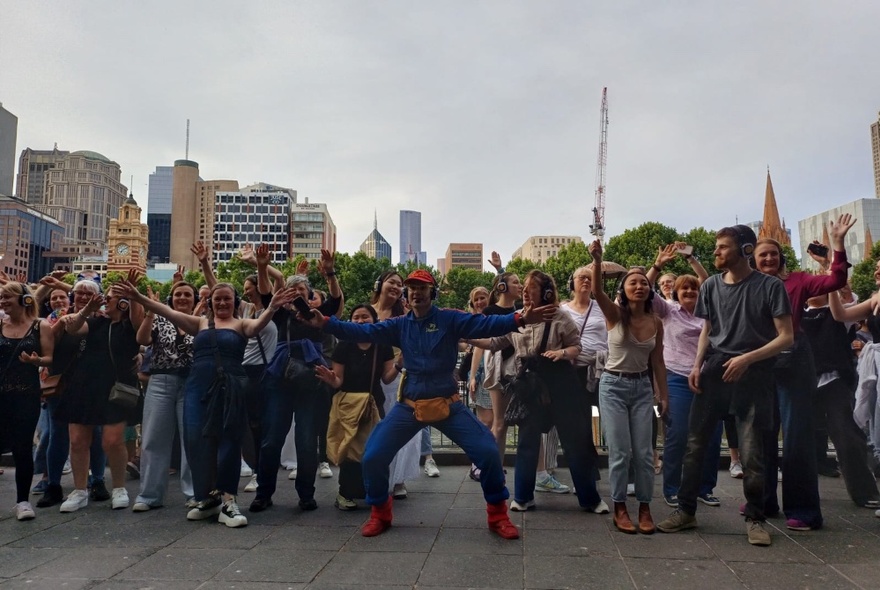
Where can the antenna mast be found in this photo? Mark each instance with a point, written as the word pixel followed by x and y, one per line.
pixel 597 228
pixel 187 139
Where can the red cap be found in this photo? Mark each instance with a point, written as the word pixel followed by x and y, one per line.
pixel 420 276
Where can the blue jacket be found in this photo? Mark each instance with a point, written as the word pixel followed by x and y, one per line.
pixel 429 344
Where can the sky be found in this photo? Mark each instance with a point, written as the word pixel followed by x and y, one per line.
pixel 481 114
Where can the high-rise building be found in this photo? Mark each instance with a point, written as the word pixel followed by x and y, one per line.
pixel 29 239
pixel 376 246
pixel 8 135
pixel 128 239
pixel 875 147
pixel 161 189
pixel 541 248
pixel 411 238
pixel 312 229
pixel 192 210
pixel 33 167
pixel 83 193
pixel 464 255
pixel 259 214
pixel 858 240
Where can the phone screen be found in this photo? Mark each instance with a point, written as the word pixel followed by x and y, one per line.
pixel 302 306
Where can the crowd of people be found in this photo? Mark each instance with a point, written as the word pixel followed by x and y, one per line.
pixel 210 383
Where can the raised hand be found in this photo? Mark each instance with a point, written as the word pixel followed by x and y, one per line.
pixel 823 261
pixel 303 267
pixel 178 276
pixel 837 231
pixel 596 250
pixel 152 294
pixel 134 275
pixel 21 278
pixel 200 251
pixel 58 274
pixel 666 254
pixel 247 255
pixel 95 303
pixel 327 262
pixel 262 255
pixel 495 260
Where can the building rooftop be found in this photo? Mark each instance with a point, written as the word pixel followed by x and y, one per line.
pixel 93 156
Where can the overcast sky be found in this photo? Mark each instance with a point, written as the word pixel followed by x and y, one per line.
pixel 483 115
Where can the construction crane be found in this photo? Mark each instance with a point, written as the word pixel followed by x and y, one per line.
pixel 597 228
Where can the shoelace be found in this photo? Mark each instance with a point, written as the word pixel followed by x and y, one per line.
pixel 232 508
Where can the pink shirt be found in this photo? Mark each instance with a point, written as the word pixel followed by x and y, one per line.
pixel 681 334
pixel 800 286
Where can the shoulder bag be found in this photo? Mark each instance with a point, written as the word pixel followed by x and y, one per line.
pixel 530 397
pixel 122 394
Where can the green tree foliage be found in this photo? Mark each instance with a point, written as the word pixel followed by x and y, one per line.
pixel 863 283
pixel 638 246
pixel 791 260
pixel 569 258
pixel 458 283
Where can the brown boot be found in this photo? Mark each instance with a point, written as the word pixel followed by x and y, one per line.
pixel 646 523
pixel 621 519
pixel 380 520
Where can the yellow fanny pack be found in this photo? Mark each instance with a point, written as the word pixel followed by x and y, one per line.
pixel 432 410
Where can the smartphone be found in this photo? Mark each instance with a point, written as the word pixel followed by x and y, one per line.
pixel 302 306
pixel 686 251
pixel 818 250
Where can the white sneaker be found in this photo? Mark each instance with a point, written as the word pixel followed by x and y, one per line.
pixel 324 470
pixel 431 468
pixel 24 511
pixel 252 484
pixel 600 508
pixel 517 507
pixel 75 500
pixel 231 516
pixel 246 471
pixel 141 507
pixel 736 470
pixel 67 468
pixel 292 474
pixel 399 491
pixel 119 498
pixel 779 474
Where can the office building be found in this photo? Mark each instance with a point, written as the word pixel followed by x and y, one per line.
pixel 411 238
pixel 29 240
pixel 83 193
pixel 312 230
pixel 858 239
pixel 192 210
pixel 8 136
pixel 128 239
pixel 463 255
pixel 259 214
pixel 33 167
pixel 159 193
pixel 541 248
pixel 376 246
pixel 875 148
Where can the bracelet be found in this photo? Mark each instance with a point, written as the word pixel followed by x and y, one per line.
pixel 332 273
pixel 657 268
pixel 272 309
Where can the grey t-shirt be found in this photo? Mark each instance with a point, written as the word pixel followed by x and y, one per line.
pixel 740 315
pixel 268 335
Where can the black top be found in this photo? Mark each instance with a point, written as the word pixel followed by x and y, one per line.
pixel 874 327
pixel 14 374
pixel 299 330
pixel 359 367
pixel 495 309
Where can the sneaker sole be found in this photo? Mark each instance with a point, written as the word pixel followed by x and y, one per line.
pixel 526 508
pixel 706 502
pixel 760 542
pixel 231 522
pixel 684 527
pixel 204 514
pixel 670 503
pixel 345 508
pixel 432 474
pixel 64 510
pixel 554 490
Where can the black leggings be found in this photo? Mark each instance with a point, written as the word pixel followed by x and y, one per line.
pixel 18 421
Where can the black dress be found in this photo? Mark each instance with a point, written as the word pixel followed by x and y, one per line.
pixel 85 399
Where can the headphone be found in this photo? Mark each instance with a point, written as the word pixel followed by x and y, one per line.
pixel 746 238
pixel 621 292
pixel 169 300
pixel 26 299
pixel 571 282
pixel 123 304
pixel 434 293
pixel 236 300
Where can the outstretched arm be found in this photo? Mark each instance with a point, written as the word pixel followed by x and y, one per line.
pixel 251 328
pixel 188 323
pixel 609 309
pixel 204 258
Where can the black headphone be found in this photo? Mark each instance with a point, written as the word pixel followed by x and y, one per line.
pixel 571 282
pixel 501 286
pixel 123 304
pixel 170 299
pixel 621 292
pixel 26 299
pixel 377 285
pixel 236 300
pixel 746 238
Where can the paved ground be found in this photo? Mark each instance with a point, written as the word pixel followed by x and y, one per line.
pixel 439 540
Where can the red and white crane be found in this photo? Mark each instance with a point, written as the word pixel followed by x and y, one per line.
pixel 597 228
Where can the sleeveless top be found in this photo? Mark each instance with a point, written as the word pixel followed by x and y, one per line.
pixel 625 353
pixel 14 374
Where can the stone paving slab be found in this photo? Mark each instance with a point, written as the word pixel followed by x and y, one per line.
pixel 439 540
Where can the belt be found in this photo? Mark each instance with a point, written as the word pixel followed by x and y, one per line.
pixel 450 400
pixel 628 375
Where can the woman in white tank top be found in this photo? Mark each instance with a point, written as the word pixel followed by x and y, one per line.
pixel 626 395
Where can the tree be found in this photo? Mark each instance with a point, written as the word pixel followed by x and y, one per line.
pixel 791 260
pixel 638 246
pixel 458 283
pixel 863 283
pixel 703 241
pixel 521 267
pixel 568 259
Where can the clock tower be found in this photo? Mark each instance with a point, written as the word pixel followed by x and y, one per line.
pixel 128 239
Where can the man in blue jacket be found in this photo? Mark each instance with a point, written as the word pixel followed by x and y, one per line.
pixel 428 338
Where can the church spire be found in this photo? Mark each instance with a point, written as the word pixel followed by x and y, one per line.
pixel 771 225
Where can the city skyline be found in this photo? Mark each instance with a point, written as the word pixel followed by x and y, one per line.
pixel 501 117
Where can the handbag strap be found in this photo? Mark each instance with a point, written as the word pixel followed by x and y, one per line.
pixel 545 337
pixel 373 370
pixel 586 317
pixel 110 349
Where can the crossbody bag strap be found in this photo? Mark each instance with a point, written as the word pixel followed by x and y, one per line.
pixel 586 317
pixel 545 338
pixel 110 349
pixel 373 370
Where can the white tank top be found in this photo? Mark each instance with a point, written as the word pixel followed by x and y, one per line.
pixel 625 353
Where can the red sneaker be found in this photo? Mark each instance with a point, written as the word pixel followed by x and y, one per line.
pixel 499 522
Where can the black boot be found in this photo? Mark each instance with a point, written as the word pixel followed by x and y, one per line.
pixel 54 495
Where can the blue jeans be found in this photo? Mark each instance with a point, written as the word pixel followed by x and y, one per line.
pixel 42 447
pixel 427 449
pixel 212 460
pixel 163 415
pixel 627 409
pixel 572 415
pixel 675 445
pixel 795 395
pixel 282 403
pixel 399 426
